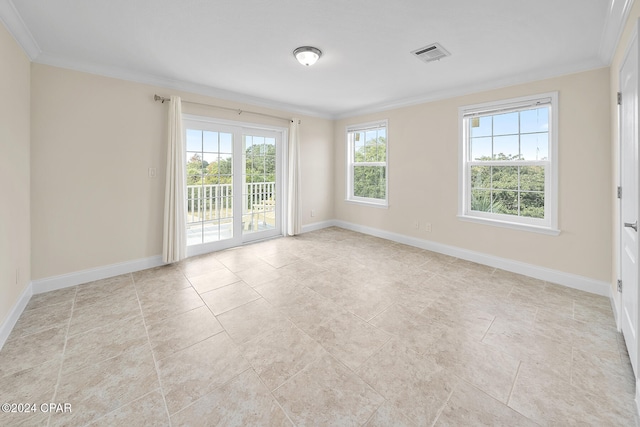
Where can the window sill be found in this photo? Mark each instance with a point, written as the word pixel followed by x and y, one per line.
pixel 514 226
pixel 384 205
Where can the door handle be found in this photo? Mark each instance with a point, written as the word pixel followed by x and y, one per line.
pixel 634 225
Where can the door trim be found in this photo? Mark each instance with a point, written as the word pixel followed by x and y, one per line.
pixel 282 177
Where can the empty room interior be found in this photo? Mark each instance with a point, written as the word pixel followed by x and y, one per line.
pixel 365 213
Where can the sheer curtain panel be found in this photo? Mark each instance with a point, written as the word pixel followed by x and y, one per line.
pixel 293 184
pixel 174 241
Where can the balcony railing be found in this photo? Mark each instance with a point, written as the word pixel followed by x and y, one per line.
pixel 215 201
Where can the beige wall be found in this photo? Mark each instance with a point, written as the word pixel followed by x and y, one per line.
pixel 616 63
pixel 93 140
pixel 423 178
pixel 14 173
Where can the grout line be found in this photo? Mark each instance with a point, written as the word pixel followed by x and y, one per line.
pixel 513 386
pixel 272 395
pixel 64 348
pixel 488 329
pixel 155 362
pixel 446 402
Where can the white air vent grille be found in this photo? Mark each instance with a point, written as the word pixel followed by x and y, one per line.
pixel 432 52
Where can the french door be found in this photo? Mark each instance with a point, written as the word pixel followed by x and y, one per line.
pixel 233 184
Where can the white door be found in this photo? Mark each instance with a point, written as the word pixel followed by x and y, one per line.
pixel 233 184
pixel 629 200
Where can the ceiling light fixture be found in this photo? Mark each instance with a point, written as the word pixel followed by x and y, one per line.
pixel 307 55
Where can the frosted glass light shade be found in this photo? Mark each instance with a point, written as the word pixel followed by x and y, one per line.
pixel 307 55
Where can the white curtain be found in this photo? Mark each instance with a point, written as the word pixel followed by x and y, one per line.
pixel 174 241
pixel 293 184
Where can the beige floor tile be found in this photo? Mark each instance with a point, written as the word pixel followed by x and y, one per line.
pixel 181 331
pixel 104 342
pixel 106 386
pixel 103 311
pixel 301 270
pixel 174 280
pixel 329 283
pixel 46 317
pixel 540 297
pixel 464 340
pixel 229 297
pixel 35 386
pixel 244 401
pixel 549 400
pixel 510 279
pixel 608 377
pixel 237 259
pixel 149 410
pixel 200 265
pixel 256 276
pixel 387 415
pixel 416 386
pixel 422 334
pixel 280 353
pixel 191 373
pixel 20 353
pixel 348 338
pixel 167 270
pixel 279 259
pixel 251 320
pixel 51 298
pixel 475 320
pixel 488 369
pixel 589 313
pixel 366 302
pixel 525 344
pixel 213 280
pixel 160 305
pixel 325 393
pixel 105 291
pixel 469 406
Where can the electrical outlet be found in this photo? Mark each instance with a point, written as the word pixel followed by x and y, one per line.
pixel 427 227
pixel 416 225
pixel 153 172
pixel 313 212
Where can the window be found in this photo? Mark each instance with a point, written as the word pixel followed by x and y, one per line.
pixel 508 163
pixel 367 163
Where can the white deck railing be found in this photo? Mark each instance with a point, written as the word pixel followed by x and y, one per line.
pixel 211 201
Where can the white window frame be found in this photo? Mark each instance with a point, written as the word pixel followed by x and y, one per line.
pixel 547 225
pixel 350 197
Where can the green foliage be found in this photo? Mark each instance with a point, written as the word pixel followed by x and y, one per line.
pixel 510 190
pixel 370 181
pixel 261 163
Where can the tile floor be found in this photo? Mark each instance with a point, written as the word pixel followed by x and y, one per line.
pixel 329 328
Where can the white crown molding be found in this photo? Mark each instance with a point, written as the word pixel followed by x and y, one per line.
pixel 15 25
pixel 617 16
pixel 139 77
pixel 523 78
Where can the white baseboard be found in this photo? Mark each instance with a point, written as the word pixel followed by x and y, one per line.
pixel 318 226
pixel 554 276
pixel 637 399
pixel 12 318
pixel 615 308
pixel 85 276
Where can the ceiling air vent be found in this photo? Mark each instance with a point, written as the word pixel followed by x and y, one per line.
pixel 432 52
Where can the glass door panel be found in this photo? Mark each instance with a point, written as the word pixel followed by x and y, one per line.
pixel 260 170
pixel 224 161
pixel 209 186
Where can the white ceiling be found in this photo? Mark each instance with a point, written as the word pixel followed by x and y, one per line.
pixel 242 50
